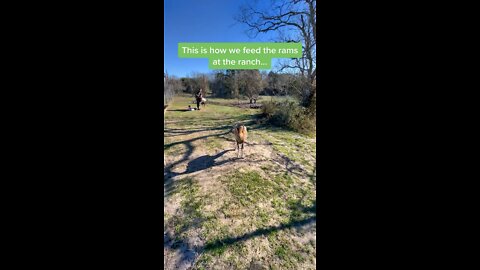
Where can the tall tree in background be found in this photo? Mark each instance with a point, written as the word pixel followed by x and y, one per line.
pixel 195 82
pixel 250 83
pixel 273 82
pixel 298 19
pixel 171 86
pixel 204 84
pixel 225 84
pixel 232 83
pixel 218 85
pixel 188 85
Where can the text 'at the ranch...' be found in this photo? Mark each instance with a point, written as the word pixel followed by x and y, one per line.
pixel 245 55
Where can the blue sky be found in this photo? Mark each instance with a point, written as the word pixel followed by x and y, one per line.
pixel 200 21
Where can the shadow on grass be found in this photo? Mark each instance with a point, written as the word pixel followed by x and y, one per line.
pixel 181 132
pixel 178 110
pixel 168 174
pixel 291 167
pixel 265 231
pixel 188 251
pixel 203 162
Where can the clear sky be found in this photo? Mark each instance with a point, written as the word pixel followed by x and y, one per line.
pixel 200 21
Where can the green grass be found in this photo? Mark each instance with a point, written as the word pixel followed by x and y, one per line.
pixel 249 187
pixel 191 208
pixel 241 200
pixel 282 198
pixel 247 190
pixel 276 99
pixel 299 148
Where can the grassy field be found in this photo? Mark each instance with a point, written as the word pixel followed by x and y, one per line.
pixel 234 102
pixel 224 212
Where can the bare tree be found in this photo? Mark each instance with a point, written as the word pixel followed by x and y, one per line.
pixel 204 84
pixel 297 19
pixel 232 83
pixel 250 83
pixel 170 87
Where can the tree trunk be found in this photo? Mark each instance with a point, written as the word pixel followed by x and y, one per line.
pixel 311 98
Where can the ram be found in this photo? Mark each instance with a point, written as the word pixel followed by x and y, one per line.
pixel 240 132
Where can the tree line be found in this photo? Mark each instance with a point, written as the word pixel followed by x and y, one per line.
pixel 242 84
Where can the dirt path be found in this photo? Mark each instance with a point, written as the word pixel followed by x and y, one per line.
pixel 224 212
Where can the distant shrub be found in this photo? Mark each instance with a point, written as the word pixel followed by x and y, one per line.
pixel 290 115
pixel 268 109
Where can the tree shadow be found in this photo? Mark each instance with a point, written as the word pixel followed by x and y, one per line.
pixel 189 141
pixel 168 185
pixel 291 167
pixel 300 217
pixel 203 162
pixel 181 132
pixel 189 253
pixel 178 110
pixel 294 223
pixel 232 240
pixel 168 174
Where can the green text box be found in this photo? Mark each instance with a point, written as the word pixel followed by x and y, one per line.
pixel 239 55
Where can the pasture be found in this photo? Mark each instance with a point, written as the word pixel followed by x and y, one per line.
pixel 224 212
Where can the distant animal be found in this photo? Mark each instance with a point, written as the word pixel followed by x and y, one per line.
pixel 240 132
pixel 203 102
